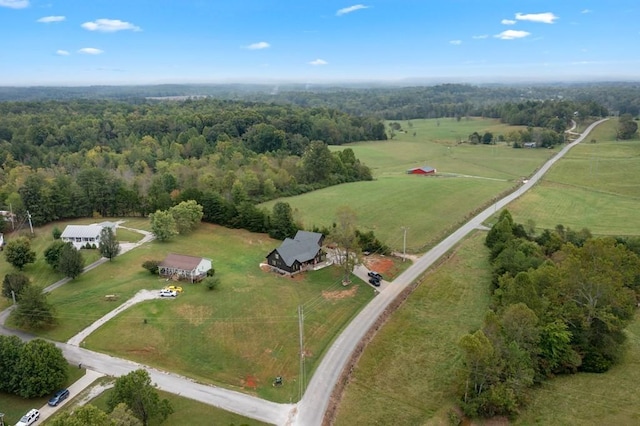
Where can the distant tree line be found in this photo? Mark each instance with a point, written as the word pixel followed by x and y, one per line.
pixel 561 302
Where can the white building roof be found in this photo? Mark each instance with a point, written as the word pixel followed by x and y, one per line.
pixel 81 231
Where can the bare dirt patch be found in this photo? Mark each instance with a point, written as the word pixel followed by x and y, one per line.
pixel 341 294
pixel 380 264
pixel 195 315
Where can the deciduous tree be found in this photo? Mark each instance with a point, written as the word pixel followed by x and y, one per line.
pixel 42 369
pixel 18 252
pixel 34 311
pixel 187 216
pixel 70 262
pixel 13 285
pixel 109 244
pixel 163 225
pixel 344 235
pixel 138 393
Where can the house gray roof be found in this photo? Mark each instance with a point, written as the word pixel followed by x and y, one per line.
pixel 81 231
pixel 303 247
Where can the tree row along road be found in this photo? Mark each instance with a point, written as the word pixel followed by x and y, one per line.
pixel 311 409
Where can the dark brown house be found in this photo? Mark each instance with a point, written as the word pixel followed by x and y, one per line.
pixel 298 253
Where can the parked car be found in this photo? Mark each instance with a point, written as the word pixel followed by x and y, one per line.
pixel 374 274
pixel 374 282
pixel 60 396
pixel 175 288
pixel 168 293
pixel 29 418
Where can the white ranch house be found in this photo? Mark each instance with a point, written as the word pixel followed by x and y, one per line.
pixel 81 235
pixel 184 267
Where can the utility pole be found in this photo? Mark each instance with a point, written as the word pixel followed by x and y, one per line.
pixel 404 243
pixel 30 224
pixel 13 225
pixel 301 330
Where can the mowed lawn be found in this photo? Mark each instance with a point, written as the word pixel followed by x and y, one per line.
pixel 241 335
pixel 430 207
pixel 406 375
pixel 596 185
pixel 39 272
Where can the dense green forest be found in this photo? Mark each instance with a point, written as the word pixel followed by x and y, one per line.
pixel 65 159
pixel 561 302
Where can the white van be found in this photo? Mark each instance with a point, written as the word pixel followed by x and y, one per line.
pixel 29 418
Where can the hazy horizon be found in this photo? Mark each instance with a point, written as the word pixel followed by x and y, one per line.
pixel 146 42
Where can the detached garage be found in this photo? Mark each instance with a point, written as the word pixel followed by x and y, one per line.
pixel 422 171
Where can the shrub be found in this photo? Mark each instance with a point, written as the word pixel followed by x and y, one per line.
pixel 56 233
pixel 151 266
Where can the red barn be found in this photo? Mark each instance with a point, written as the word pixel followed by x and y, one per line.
pixel 422 171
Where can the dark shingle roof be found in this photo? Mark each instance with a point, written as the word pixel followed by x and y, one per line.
pixel 303 247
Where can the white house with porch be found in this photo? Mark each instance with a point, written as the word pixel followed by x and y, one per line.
pixel 81 235
pixel 184 267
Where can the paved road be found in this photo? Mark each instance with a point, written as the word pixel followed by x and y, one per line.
pixel 315 401
pixel 310 410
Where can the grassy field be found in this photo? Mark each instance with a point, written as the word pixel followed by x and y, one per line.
pixel 15 407
pixel 241 335
pixel 406 374
pixel 187 411
pixel 470 176
pixel 596 185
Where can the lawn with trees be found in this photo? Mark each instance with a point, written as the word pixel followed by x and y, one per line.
pixel 215 336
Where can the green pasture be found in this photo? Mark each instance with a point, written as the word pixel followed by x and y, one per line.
pixel 596 185
pixel 240 335
pixel 469 177
pixel 406 375
pixel 428 206
pixel 439 147
pixel 188 411
pixel 14 407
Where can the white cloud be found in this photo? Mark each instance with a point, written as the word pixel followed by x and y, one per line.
pixel 545 18
pixel 507 22
pixel 480 37
pixel 318 62
pixel 109 26
pixel 258 46
pixel 62 52
pixel 512 34
pixel 14 4
pixel 456 42
pixel 350 9
pixel 587 11
pixel 90 51
pixel 48 19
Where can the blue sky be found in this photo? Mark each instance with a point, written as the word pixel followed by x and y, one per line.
pixel 79 42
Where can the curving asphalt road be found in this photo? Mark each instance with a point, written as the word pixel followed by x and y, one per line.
pixel 312 407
